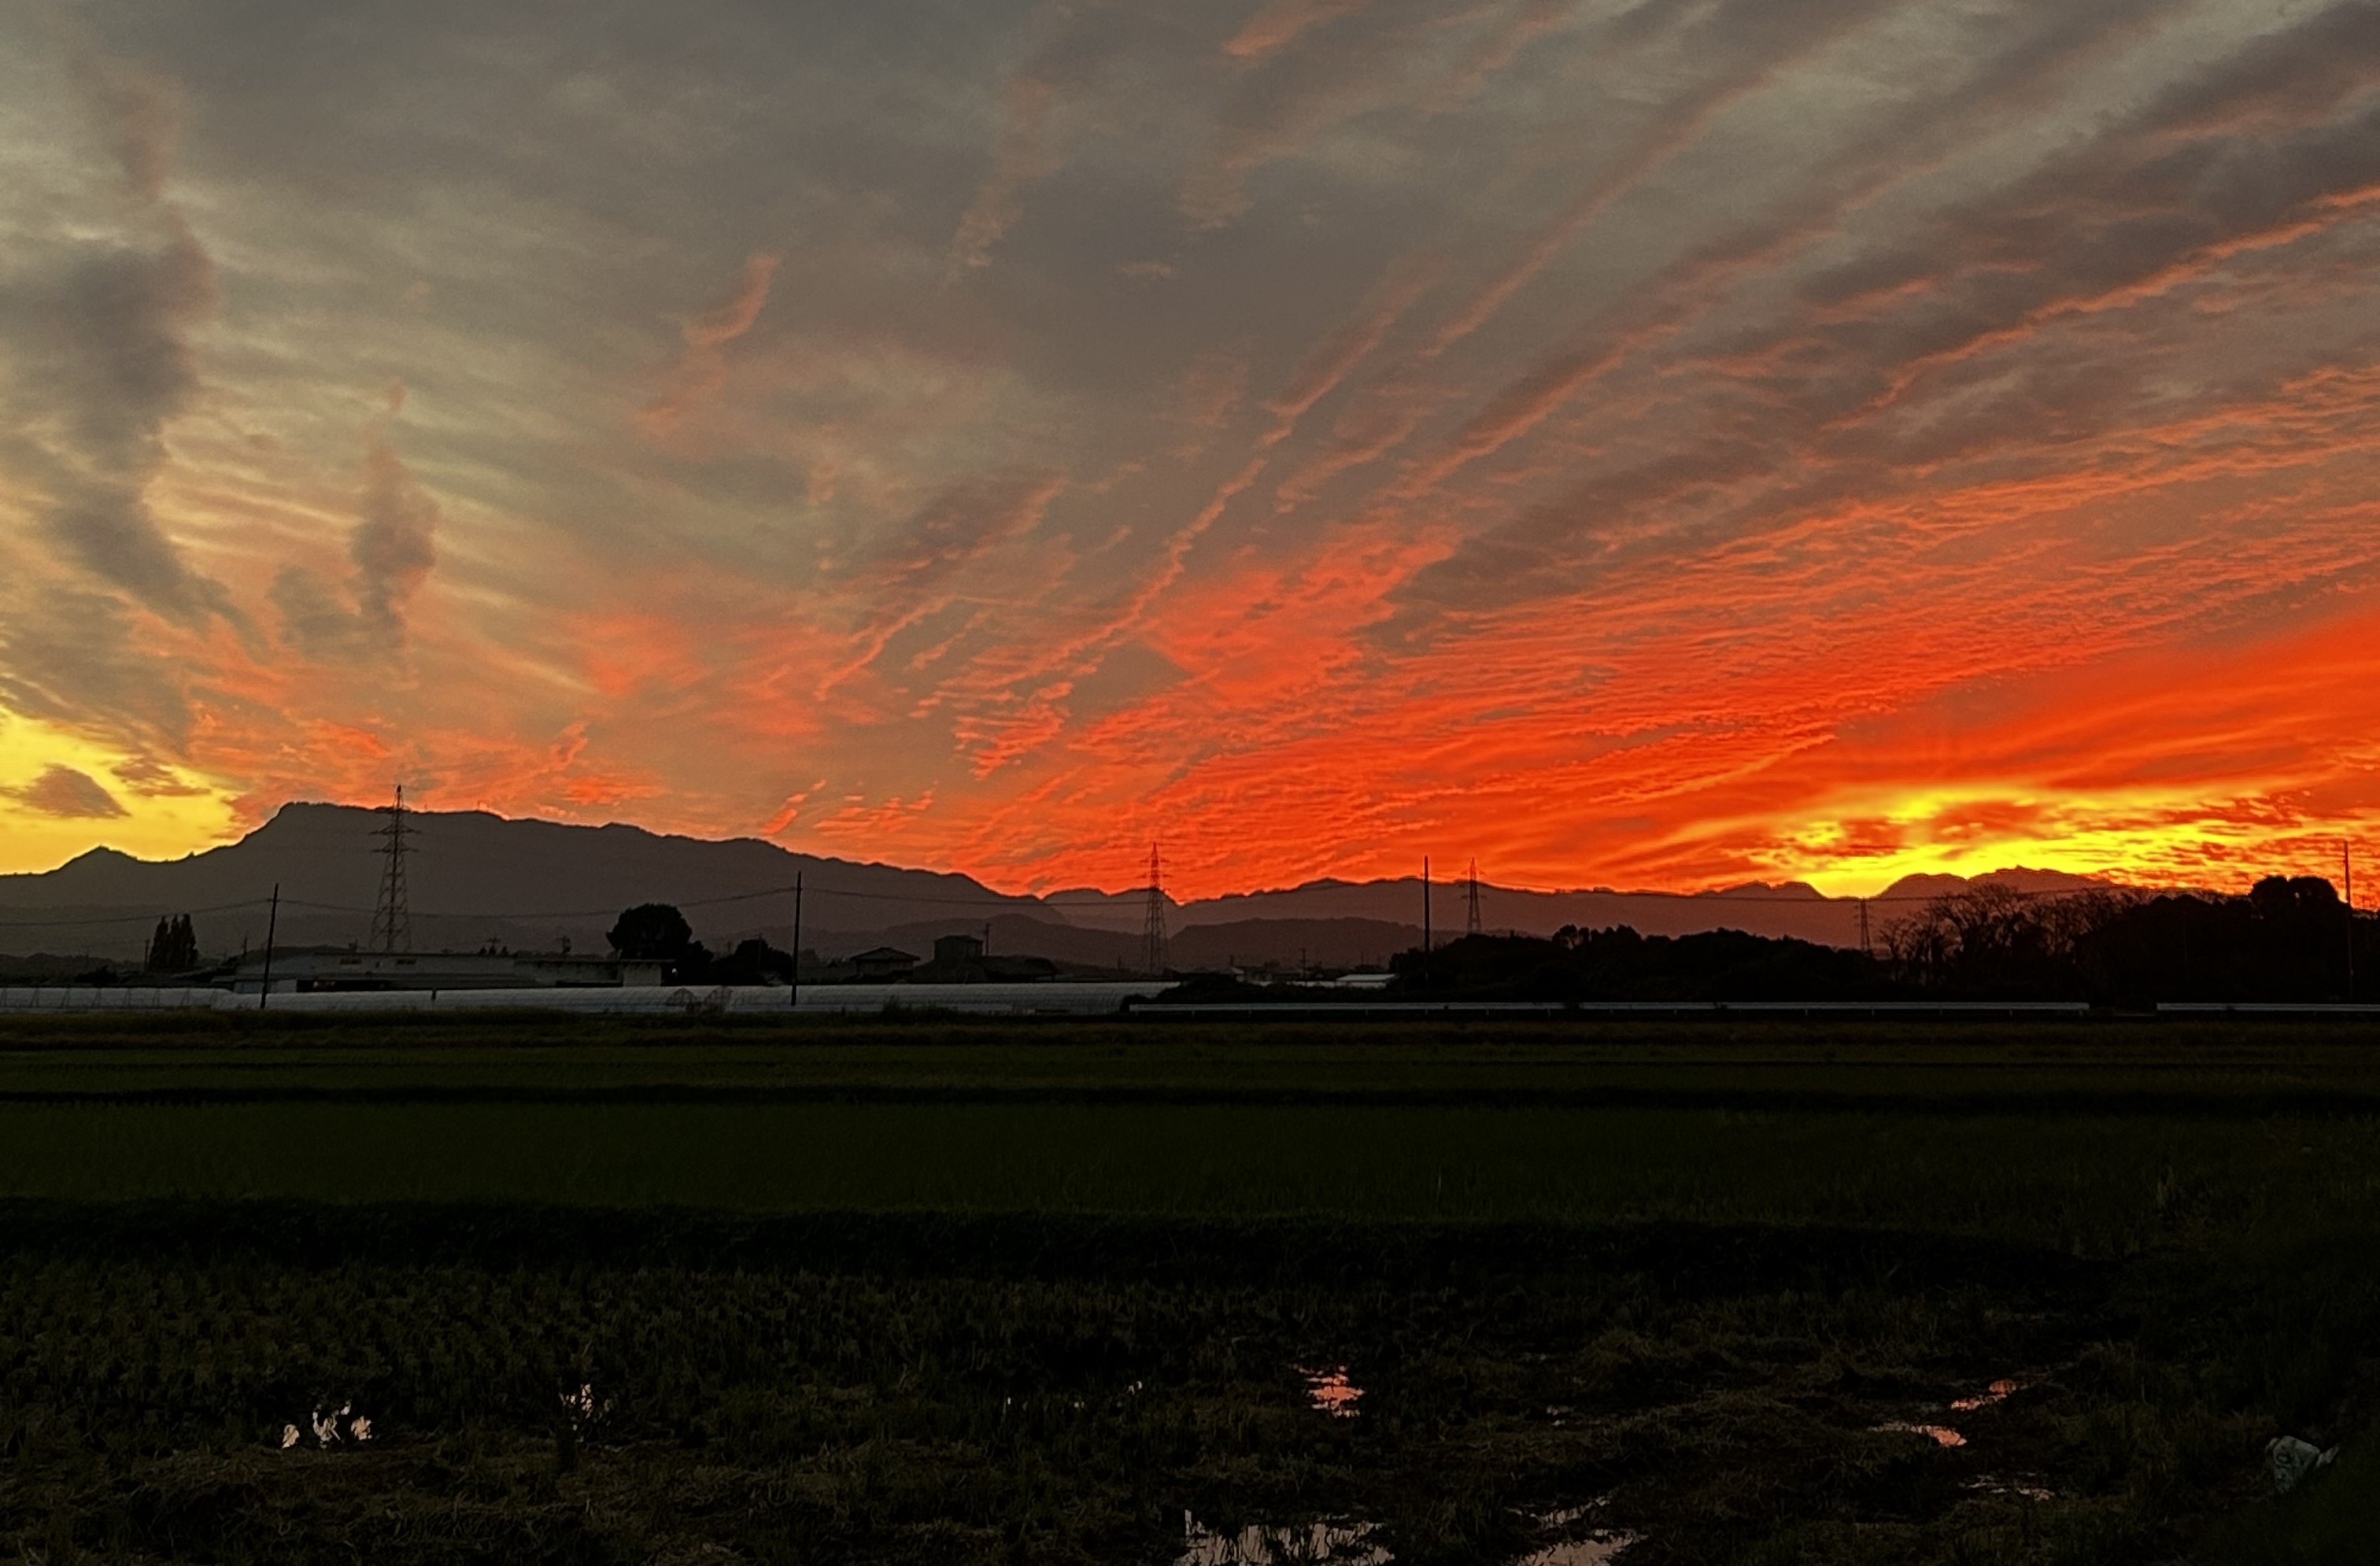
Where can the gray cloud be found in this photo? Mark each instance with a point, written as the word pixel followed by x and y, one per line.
pixel 1577 300
pixel 149 778
pixel 136 115
pixel 100 351
pixel 393 546
pixel 1028 148
pixel 394 543
pixel 68 794
pixel 96 339
pixel 70 655
pixel 1308 68
pixel 314 616
pixel 2187 180
pixel 957 526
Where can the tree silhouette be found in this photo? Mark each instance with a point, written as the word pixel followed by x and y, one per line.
pixel 651 931
pixel 754 961
pixel 174 948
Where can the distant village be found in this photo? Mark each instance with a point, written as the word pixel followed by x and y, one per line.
pixel 650 945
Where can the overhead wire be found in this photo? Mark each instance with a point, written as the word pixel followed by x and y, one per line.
pixel 131 919
pixel 1020 902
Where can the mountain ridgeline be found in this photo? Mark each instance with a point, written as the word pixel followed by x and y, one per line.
pixel 477 880
pixel 474 879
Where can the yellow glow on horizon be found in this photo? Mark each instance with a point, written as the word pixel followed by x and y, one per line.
pixel 167 811
pixel 1860 844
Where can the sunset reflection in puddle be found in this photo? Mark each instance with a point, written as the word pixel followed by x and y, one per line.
pixel 1346 1543
pixel 1331 1392
pixel 1940 1435
pixel 1256 1545
pixel 1593 1548
pixel 2027 1488
pixel 1596 1549
pixel 1999 1391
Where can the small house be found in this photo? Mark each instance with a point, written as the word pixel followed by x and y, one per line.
pixel 884 964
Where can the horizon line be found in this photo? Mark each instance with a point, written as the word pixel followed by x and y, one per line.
pixel 1739 892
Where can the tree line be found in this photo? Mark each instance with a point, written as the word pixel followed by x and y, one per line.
pixel 657 932
pixel 2288 939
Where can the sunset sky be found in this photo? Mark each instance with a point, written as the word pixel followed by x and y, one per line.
pixel 1647 442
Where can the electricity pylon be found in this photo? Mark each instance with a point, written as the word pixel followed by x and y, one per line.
pixel 1152 929
pixel 391 925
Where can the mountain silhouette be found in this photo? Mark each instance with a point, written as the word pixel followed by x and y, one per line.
pixel 476 879
pixel 472 877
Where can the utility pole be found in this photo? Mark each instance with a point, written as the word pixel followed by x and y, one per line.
pixel 1471 910
pixel 2346 870
pixel 391 925
pixel 794 985
pixel 1152 924
pixel 1425 904
pixel 272 927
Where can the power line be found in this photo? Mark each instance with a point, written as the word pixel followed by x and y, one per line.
pixel 135 918
pixel 1018 902
pixel 1022 902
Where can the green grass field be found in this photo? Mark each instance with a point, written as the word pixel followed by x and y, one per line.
pixel 957 1291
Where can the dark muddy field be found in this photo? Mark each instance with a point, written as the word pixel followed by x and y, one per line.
pixel 1103 1293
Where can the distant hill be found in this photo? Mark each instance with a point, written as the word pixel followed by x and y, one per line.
pixel 1786 908
pixel 1920 888
pixel 473 877
pixel 478 878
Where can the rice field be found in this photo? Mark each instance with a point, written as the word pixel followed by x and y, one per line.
pixel 940 1291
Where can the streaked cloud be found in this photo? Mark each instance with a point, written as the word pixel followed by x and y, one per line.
pixel 701 369
pixel 95 328
pixel 62 792
pixel 1664 441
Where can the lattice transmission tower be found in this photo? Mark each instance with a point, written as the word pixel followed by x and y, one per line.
pixel 1471 901
pixel 391 925
pixel 1153 956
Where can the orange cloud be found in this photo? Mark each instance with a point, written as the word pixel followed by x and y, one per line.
pixel 700 369
pixel 1671 470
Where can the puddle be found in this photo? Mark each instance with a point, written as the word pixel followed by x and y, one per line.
pixel 1940 1435
pixel 1591 1548
pixel 584 1408
pixel 1999 1391
pixel 332 1429
pixel 1343 1543
pixel 2029 1487
pixel 1330 1393
pixel 1256 1545
pixel 1596 1549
